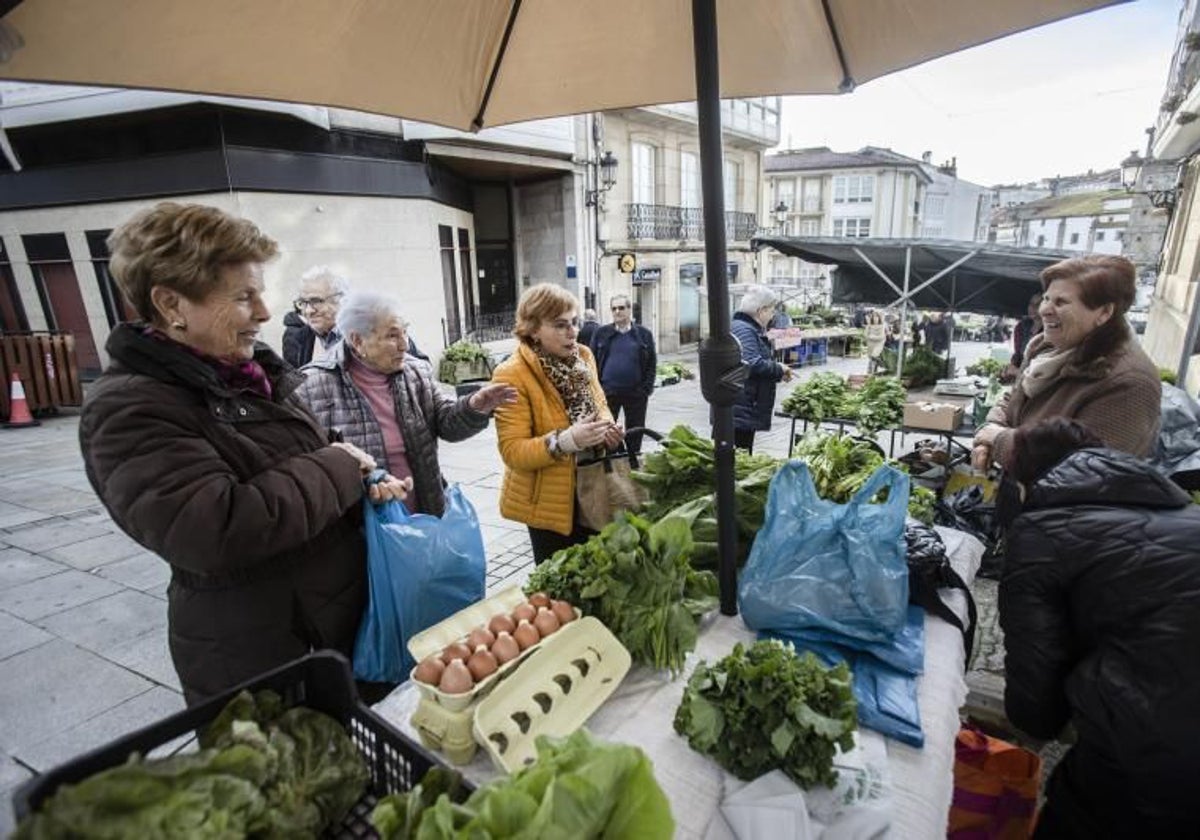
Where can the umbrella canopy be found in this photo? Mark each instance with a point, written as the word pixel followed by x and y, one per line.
pixel 942 274
pixel 470 64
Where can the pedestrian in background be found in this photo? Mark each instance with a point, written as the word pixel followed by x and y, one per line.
pixel 1029 326
pixel 591 323
pixel 196 443
pixel 560 412
pixel 310 330
pixel 756 402
pixel 627 361
pixel 875 335
pixel 378 398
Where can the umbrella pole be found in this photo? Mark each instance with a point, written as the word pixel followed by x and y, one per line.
pixel 721 369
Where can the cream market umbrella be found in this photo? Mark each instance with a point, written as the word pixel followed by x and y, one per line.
pixel 470 64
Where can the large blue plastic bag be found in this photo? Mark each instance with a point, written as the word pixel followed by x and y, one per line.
pixel 421 570
pixel 820 564
pixel 884 682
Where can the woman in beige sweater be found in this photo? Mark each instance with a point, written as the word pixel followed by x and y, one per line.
pixel 1084 366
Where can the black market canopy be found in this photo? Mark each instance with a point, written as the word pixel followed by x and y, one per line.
pixel 937 274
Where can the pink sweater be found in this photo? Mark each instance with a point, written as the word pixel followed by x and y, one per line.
pixel 376 387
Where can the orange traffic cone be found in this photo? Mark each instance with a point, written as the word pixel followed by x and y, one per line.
pixel 18 414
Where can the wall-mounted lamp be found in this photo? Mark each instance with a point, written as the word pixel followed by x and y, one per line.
pixel 606 178
pixel 1131 176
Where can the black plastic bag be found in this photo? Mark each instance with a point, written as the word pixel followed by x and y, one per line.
pixel 929 570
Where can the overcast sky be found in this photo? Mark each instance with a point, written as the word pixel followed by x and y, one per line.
pixel 1058 100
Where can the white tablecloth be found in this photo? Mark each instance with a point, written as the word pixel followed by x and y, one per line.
pixel 641 711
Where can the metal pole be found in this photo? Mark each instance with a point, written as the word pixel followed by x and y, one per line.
pixel 1189 343
pixel 903 313
pixel 721 370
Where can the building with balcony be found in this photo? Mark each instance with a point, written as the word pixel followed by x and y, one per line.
pixel 818 192
pixel 1172 336
pixel 653 209
pixel 1088 222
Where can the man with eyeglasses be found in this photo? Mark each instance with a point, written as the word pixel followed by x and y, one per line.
pixel 626 358
pixel 310 330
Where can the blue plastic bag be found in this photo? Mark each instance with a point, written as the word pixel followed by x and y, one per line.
pixel 884 680
pixel 421 570
pixel 819 564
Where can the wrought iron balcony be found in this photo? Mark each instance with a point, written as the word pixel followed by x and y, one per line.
pixel 664 222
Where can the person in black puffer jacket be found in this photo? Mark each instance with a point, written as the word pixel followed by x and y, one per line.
pixel 1100 607
pixel 756 401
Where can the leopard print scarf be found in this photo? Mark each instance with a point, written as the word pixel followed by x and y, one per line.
pixel 572 378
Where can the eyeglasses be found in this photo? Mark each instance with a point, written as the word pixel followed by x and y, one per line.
pixel 620 308
pixel 314 302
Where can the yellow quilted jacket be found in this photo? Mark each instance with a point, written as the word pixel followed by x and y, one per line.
pixel 538 489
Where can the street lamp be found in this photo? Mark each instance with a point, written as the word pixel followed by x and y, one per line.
pixel 1132 169
pixel 606 178
pixel 781 213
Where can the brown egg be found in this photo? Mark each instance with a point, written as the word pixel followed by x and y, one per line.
pixel 539 599
pixel 455 651
pixel 482 663
pixel 429 670
pixel 545 622
pixel 526 635
pixel 502 623
pixel 456 679
pixel 480 636
pixel 563 611
pixel 505 648
pixel 524 612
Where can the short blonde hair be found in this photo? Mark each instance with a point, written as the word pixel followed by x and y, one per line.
pixel 182 247
pixel 543 302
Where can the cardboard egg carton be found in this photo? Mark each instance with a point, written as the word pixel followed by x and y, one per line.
pixel 555 691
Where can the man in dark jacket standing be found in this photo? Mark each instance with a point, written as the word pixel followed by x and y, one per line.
pixel 627 360
pixel 756 403
pixel 1100 606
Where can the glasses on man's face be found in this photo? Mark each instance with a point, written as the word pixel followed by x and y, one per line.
pixel 314 302
pixel 619 307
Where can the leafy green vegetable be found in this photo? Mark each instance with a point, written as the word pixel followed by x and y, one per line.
pixel 577 787
pixel 676 369
pixel 261 771
pixel 466 351
pixel 986 366
pixel 637 579
pixel 398 815
pixel 921 365
pixel 841 464
pixel 1196 497
pixel 879 404
pixel 816 398
pixel 764 708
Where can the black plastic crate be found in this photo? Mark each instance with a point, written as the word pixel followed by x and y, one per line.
pixel 320 681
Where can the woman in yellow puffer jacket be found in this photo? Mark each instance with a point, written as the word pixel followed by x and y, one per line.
pixel 560 410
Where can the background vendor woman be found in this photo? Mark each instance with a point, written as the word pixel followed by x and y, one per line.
pixel 1085 365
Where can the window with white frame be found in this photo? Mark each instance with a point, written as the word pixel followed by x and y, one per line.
pixel 643 173
pixel 812 195
pixel 689 179
pixel 852 227
pixel 935 206
pixel 809 271
pixel 810 227
pixel 1099 236
pixel 853 189
pixel 733 174
pixel 785 192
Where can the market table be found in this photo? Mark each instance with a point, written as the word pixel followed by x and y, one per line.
pixel 913 789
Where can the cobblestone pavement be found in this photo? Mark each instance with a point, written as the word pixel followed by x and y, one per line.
pixel 83 649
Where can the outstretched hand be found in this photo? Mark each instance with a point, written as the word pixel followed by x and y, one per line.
pixel 490 397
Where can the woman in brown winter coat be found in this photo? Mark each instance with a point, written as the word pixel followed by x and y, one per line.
pixel 1085 365
pixel 194 440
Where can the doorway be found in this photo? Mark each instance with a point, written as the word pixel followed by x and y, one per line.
pixel 691 275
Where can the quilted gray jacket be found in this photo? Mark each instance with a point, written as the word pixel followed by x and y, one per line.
pixel 425 412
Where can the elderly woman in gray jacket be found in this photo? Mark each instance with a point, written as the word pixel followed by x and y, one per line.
pixel 372 394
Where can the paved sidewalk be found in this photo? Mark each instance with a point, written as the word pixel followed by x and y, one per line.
pixel 83 646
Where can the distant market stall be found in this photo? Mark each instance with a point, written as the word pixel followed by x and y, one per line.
pixel 938 274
